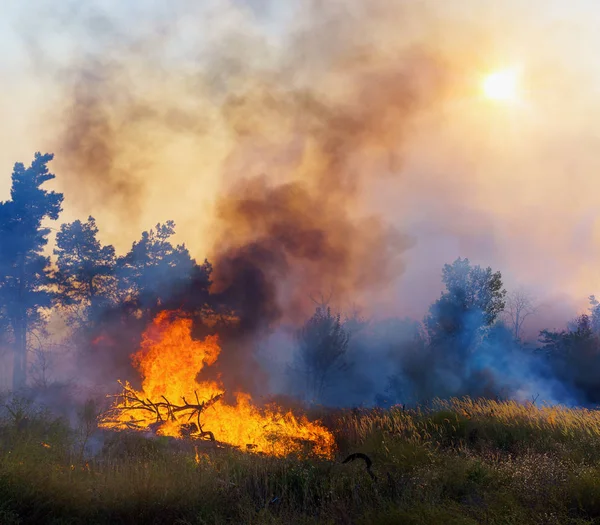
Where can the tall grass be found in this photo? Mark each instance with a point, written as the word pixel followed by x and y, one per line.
pixel 459 461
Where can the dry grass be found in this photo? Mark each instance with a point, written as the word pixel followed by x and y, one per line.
pixel 457 462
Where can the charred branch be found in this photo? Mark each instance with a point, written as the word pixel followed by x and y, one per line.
pixel 366 459
pixel 129 401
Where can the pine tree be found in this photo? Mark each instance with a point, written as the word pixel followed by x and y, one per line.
pixel 86 272
pixel 25 272
pixel 154 271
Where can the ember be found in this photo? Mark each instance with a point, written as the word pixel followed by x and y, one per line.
pixel 173 403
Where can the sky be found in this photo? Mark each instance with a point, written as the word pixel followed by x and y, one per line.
pixel 140 102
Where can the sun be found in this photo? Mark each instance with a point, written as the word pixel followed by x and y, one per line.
pixel 501 85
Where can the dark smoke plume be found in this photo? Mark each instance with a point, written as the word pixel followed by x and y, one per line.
pixel 282 244
pixel 303 230
pixel 299 135
pixel 305 131
pixel 299 152
pixel 285 137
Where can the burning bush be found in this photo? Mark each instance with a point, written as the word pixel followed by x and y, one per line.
pixel 172 402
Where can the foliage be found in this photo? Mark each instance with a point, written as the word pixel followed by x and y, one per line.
pixel 154 270
pixel 474 298
pixel 86 271
pixel 25 272
pixel 574 356
pixel 322 344
pixel 595 313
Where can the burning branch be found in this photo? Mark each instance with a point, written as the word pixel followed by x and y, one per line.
pixel 129 401
pixel 173 402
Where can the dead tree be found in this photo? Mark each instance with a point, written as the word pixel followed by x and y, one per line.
pixel 519 306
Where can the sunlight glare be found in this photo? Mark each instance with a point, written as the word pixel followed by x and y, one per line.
pixel 501 85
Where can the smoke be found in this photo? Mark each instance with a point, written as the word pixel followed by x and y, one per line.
pixel 305 132
pixel 157 111
pixel 337 148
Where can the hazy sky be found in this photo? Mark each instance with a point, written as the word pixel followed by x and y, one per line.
pixel 511 185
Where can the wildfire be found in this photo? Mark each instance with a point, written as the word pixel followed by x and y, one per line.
pixel 173 403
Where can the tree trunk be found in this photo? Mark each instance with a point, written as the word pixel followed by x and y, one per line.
pixel 20 331
pixel 20 355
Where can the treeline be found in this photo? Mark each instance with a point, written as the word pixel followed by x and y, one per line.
pixel 103 297
pixel 469 343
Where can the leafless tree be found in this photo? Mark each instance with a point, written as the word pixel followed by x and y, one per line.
pixel 41 358
pixel 40 367
pixel 520 304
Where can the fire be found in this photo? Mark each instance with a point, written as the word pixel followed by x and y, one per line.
pixel 173 403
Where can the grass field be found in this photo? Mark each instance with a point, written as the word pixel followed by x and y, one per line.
pixel 457 462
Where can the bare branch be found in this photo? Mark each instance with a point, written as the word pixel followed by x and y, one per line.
pixel 322 302
pixel 520 304
pixel 130 402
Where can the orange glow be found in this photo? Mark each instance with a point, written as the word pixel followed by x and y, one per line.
pixel 169 361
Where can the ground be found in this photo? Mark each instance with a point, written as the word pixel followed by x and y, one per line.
pixel 455 462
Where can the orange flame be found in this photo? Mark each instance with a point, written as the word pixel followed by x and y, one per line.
pixel 169 361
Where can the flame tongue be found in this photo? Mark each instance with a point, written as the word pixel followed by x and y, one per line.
pixel 169 360
pixel 175 403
